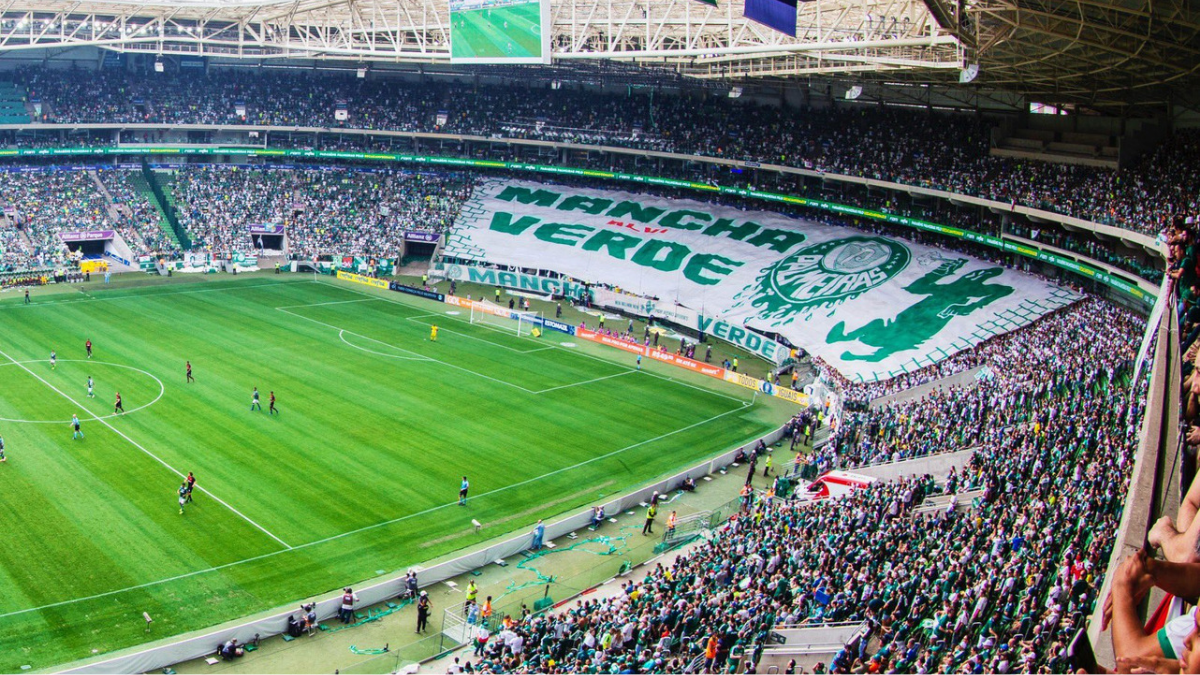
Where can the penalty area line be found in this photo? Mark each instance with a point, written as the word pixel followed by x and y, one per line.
pixel 139 446
pixel 432 509
pixel 580 353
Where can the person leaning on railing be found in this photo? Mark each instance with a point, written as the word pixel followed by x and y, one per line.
pixel 1174 648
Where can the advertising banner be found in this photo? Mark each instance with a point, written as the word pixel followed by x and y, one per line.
pixel 266 229
pixel 682 316
pixel 497 310
pixel 419 292
pixel 872 306
pixel 693 365
pixel 515 280
pixel 360 279
pixel 94 235
pixel 745 338
pixel 424 237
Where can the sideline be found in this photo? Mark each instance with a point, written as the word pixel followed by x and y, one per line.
pixel 367 528
pixel 137 445
pixel 143 296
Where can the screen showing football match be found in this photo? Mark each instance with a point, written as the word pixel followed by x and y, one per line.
pixel 499 31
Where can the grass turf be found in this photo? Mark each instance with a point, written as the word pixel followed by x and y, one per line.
pixel 500 32
pixel 359 472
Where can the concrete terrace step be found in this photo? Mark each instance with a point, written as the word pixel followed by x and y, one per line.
pixel 139 183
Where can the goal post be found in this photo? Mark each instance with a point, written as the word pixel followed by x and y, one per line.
pixel 488 313
pixel 529 323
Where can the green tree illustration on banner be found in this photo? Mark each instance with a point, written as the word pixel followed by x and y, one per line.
pixel 926 318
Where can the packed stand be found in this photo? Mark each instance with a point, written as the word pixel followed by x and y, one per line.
pixel 998 585
pixel 139 222
pixel 1169 560
pixel 918 148
pixel 323 211
pixel 45 203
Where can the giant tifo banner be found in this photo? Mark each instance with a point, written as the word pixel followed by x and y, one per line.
pixel 874 307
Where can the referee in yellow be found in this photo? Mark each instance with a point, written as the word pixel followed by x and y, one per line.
pixel 433 333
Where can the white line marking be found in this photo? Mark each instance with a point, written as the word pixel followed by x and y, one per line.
pixel 571 345
pixel 137 445
pixel 414 319
pixel 142 296
pixel 426 358
pixel 322 304
pixel 422 357
pixel 598 379
pixel 342 332
pixel 579 352
pixel 367 528
pixel 342 335
pixel 162 389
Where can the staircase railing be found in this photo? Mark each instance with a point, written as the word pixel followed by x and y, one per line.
pixel 167 207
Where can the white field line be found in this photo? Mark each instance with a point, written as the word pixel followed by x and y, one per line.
pixel 681 383
pixel 416 319
pixel 342 332
pixel 322 304
pixel 425 358
pixel 141 296
pixel 574 351
pixel 137 445
pixel 342 336
pixel 576 384
pixel 162 390
pixel 367 528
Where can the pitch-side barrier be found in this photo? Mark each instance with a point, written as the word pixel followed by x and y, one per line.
pixel 158 657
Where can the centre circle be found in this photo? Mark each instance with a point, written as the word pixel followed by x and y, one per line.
pixel 161 389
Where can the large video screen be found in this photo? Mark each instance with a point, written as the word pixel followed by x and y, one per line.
pixel 499 31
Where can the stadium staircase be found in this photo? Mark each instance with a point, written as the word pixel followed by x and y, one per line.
pixel 119 213
pixel 807 645
pixel 12 104
pixel 938 503
pixel 139 183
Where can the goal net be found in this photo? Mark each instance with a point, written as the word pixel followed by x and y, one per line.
pixel 490 314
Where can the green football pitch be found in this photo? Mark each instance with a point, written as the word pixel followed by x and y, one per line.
pixel 500 32
pixel 358 473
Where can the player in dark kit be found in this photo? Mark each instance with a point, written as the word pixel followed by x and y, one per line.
pixel 191 485
pixel 189 372
pixel 88 344
pixel 117 407
pixel 272 409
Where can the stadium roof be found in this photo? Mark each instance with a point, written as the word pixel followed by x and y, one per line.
pixel 1105 54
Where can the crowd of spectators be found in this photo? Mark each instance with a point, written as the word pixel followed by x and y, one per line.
pixel 323 211
pixel 1169 560
pixel 997 583
pixel 137 219
pixel 913 147
pixel 1026 361
pixel 38 205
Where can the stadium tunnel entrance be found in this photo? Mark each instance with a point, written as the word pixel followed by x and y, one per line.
pixel 88 249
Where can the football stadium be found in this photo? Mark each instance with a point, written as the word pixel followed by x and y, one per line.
pixel 602 336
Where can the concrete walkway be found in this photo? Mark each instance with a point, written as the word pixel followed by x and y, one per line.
pixel 963 379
